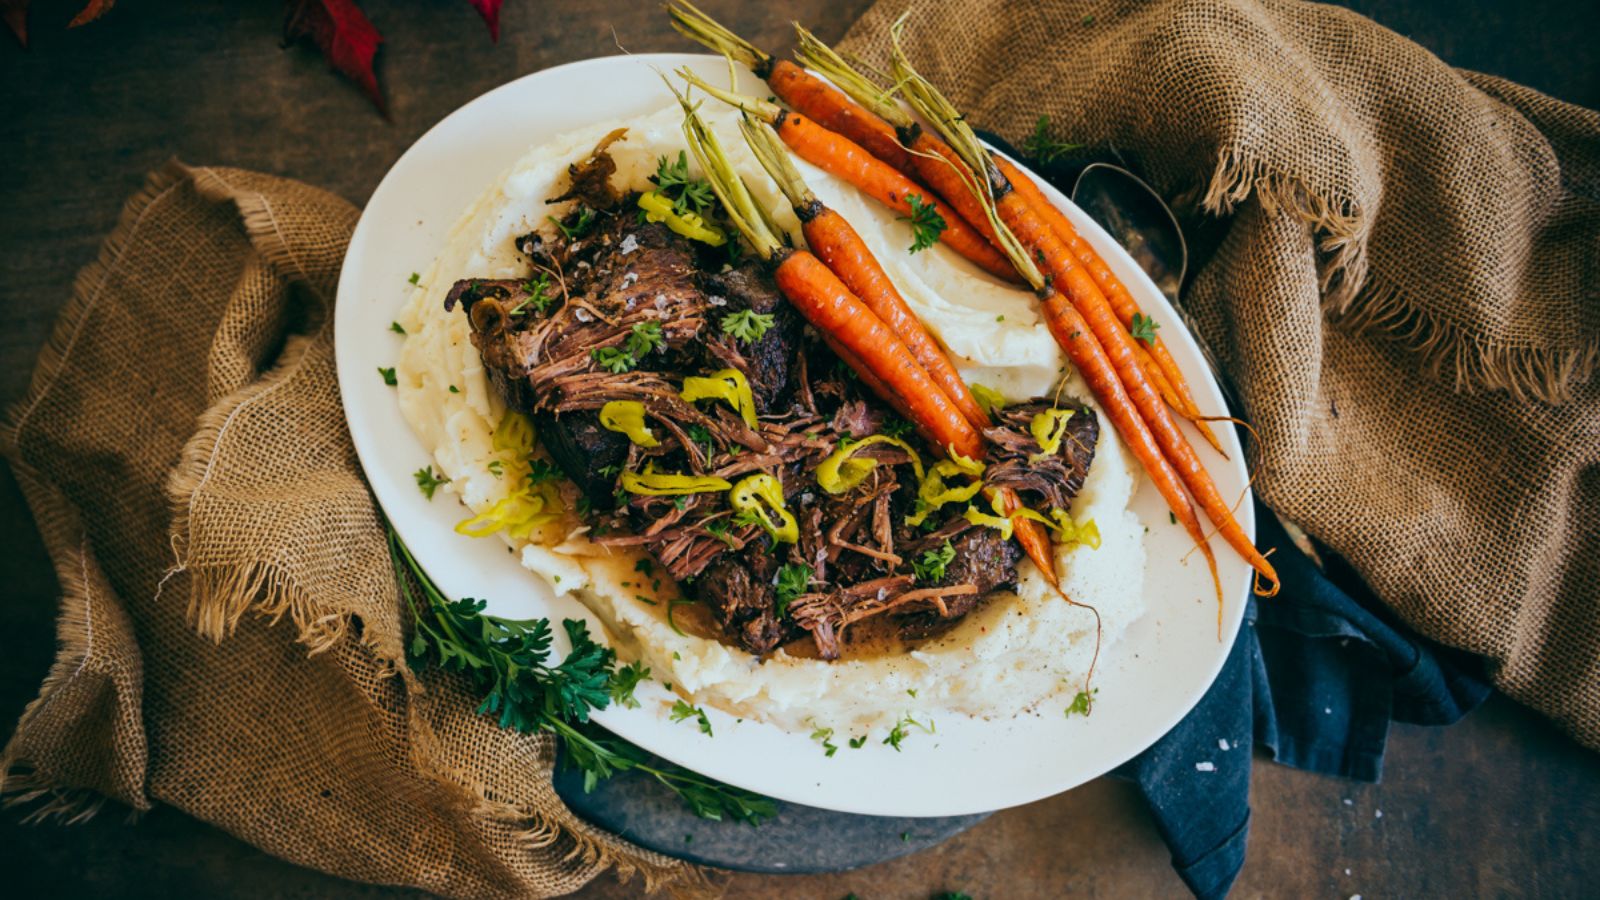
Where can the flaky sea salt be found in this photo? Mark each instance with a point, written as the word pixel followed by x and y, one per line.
pixel 582 315
pixel 628 245
pixel 714 300
pixel 629 278
pixel 1378 814
pixel 1205 767
pixel 1222 744
pixel 1349 802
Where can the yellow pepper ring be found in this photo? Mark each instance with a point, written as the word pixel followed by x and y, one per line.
pixel 627 417
pixel 1048 428
pixel 513 433
pixel 658 208
pixel 932 493
pixel 748 496
pixel 842 470
pixel 518 514
pixel 651 483
pixel 729 385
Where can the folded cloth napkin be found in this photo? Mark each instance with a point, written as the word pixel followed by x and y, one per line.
pixel 183 449
pixel 1405 286
pixel 1314 678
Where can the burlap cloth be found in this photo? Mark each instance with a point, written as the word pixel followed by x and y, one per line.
pixel 1405 295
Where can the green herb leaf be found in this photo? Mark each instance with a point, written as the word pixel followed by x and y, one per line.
pixel 747 325
pixel 509 662
pixel 824 737
pixel 856 743
pixel 414 278
pixel 427 482
pixel 613 360
pixel 644 338
pixel 1143 328
pixel 990 399
pixel 896 428
pixel 926 223
pixel 901 731
pixel 580 226
pixel 1043 148
pixel 688 195
pixel 538 296
pixel 1082 703
pixel 625 680
pixel 682 710
pixel 931 566
pixel 388 376
pixel 397 328
pixel 793 579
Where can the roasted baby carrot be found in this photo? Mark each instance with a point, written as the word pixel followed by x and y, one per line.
pixel 1162 368
pixel 846 160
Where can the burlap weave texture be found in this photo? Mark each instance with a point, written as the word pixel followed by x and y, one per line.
pixel 1407 291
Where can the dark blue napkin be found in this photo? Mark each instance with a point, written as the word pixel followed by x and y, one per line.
pixel 1314 678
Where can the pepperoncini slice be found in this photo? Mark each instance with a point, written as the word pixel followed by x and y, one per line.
pixel 842 470
pixel 729 385
pixel 514 434
pixel 933 492
pixel 651 483
pixel 762 496
pixel 627 417
pixel 658 208
pixel 973 467
pixel 518 514
pixel 1085 532
pixel 988 398
pixel 1048 428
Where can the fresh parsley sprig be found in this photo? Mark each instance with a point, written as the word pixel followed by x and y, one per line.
pixel 581 223
pixel 508 661
pixel 793 580
pixel 1042 147
pixel 926 223
pixel 930 567
pixel 688 195
pixel 427 482
pixel 747 325
pixel 1143 328
pixel 644 338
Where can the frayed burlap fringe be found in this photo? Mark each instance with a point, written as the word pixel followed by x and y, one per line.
pixel 232 256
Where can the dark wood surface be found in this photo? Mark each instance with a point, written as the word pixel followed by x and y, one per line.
pixel 1499 805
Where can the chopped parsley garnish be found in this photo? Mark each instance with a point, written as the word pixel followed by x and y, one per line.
pixel 824 736
pixel 579 227
pixel 747 325
pixel 538 296
pixel 931 566
pixel 644 567
pixel 896 428
pixel 718 528
pixel 688 195
pixel 1081 703
pixel 680 502
pixel 682 710
pixel 624 680
pixel 388 376
pixel 454 389
pixel 611 471
pixel 641 341
pixel 856 743
pixel 397 328
pixel 1143 328
pixel 427 482
pixel 702 435
pixel 926 223
pixel 497 467
pixel 793 579
pixel 900 731
pixel 540 470
pixel 1042 147
pixel 414 278
pixel 746 517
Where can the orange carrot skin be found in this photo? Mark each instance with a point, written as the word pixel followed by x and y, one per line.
pixel 1070 330
pixel 826 303
pixel 838 245
pixel 939 166
pixel 1034 539
pixel 1086 298
pixel 843 158
pixel 830 108
pixel 1170 380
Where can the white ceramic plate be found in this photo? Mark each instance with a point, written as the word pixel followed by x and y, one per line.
pixel 1147 681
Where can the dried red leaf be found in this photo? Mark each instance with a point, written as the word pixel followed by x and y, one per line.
pixel 490 10
pixel 343 34
pixel 92 10
pixel 15 14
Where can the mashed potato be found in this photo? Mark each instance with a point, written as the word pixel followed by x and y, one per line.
pixel 1016 651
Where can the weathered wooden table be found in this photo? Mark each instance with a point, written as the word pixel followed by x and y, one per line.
pixel 1498 805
